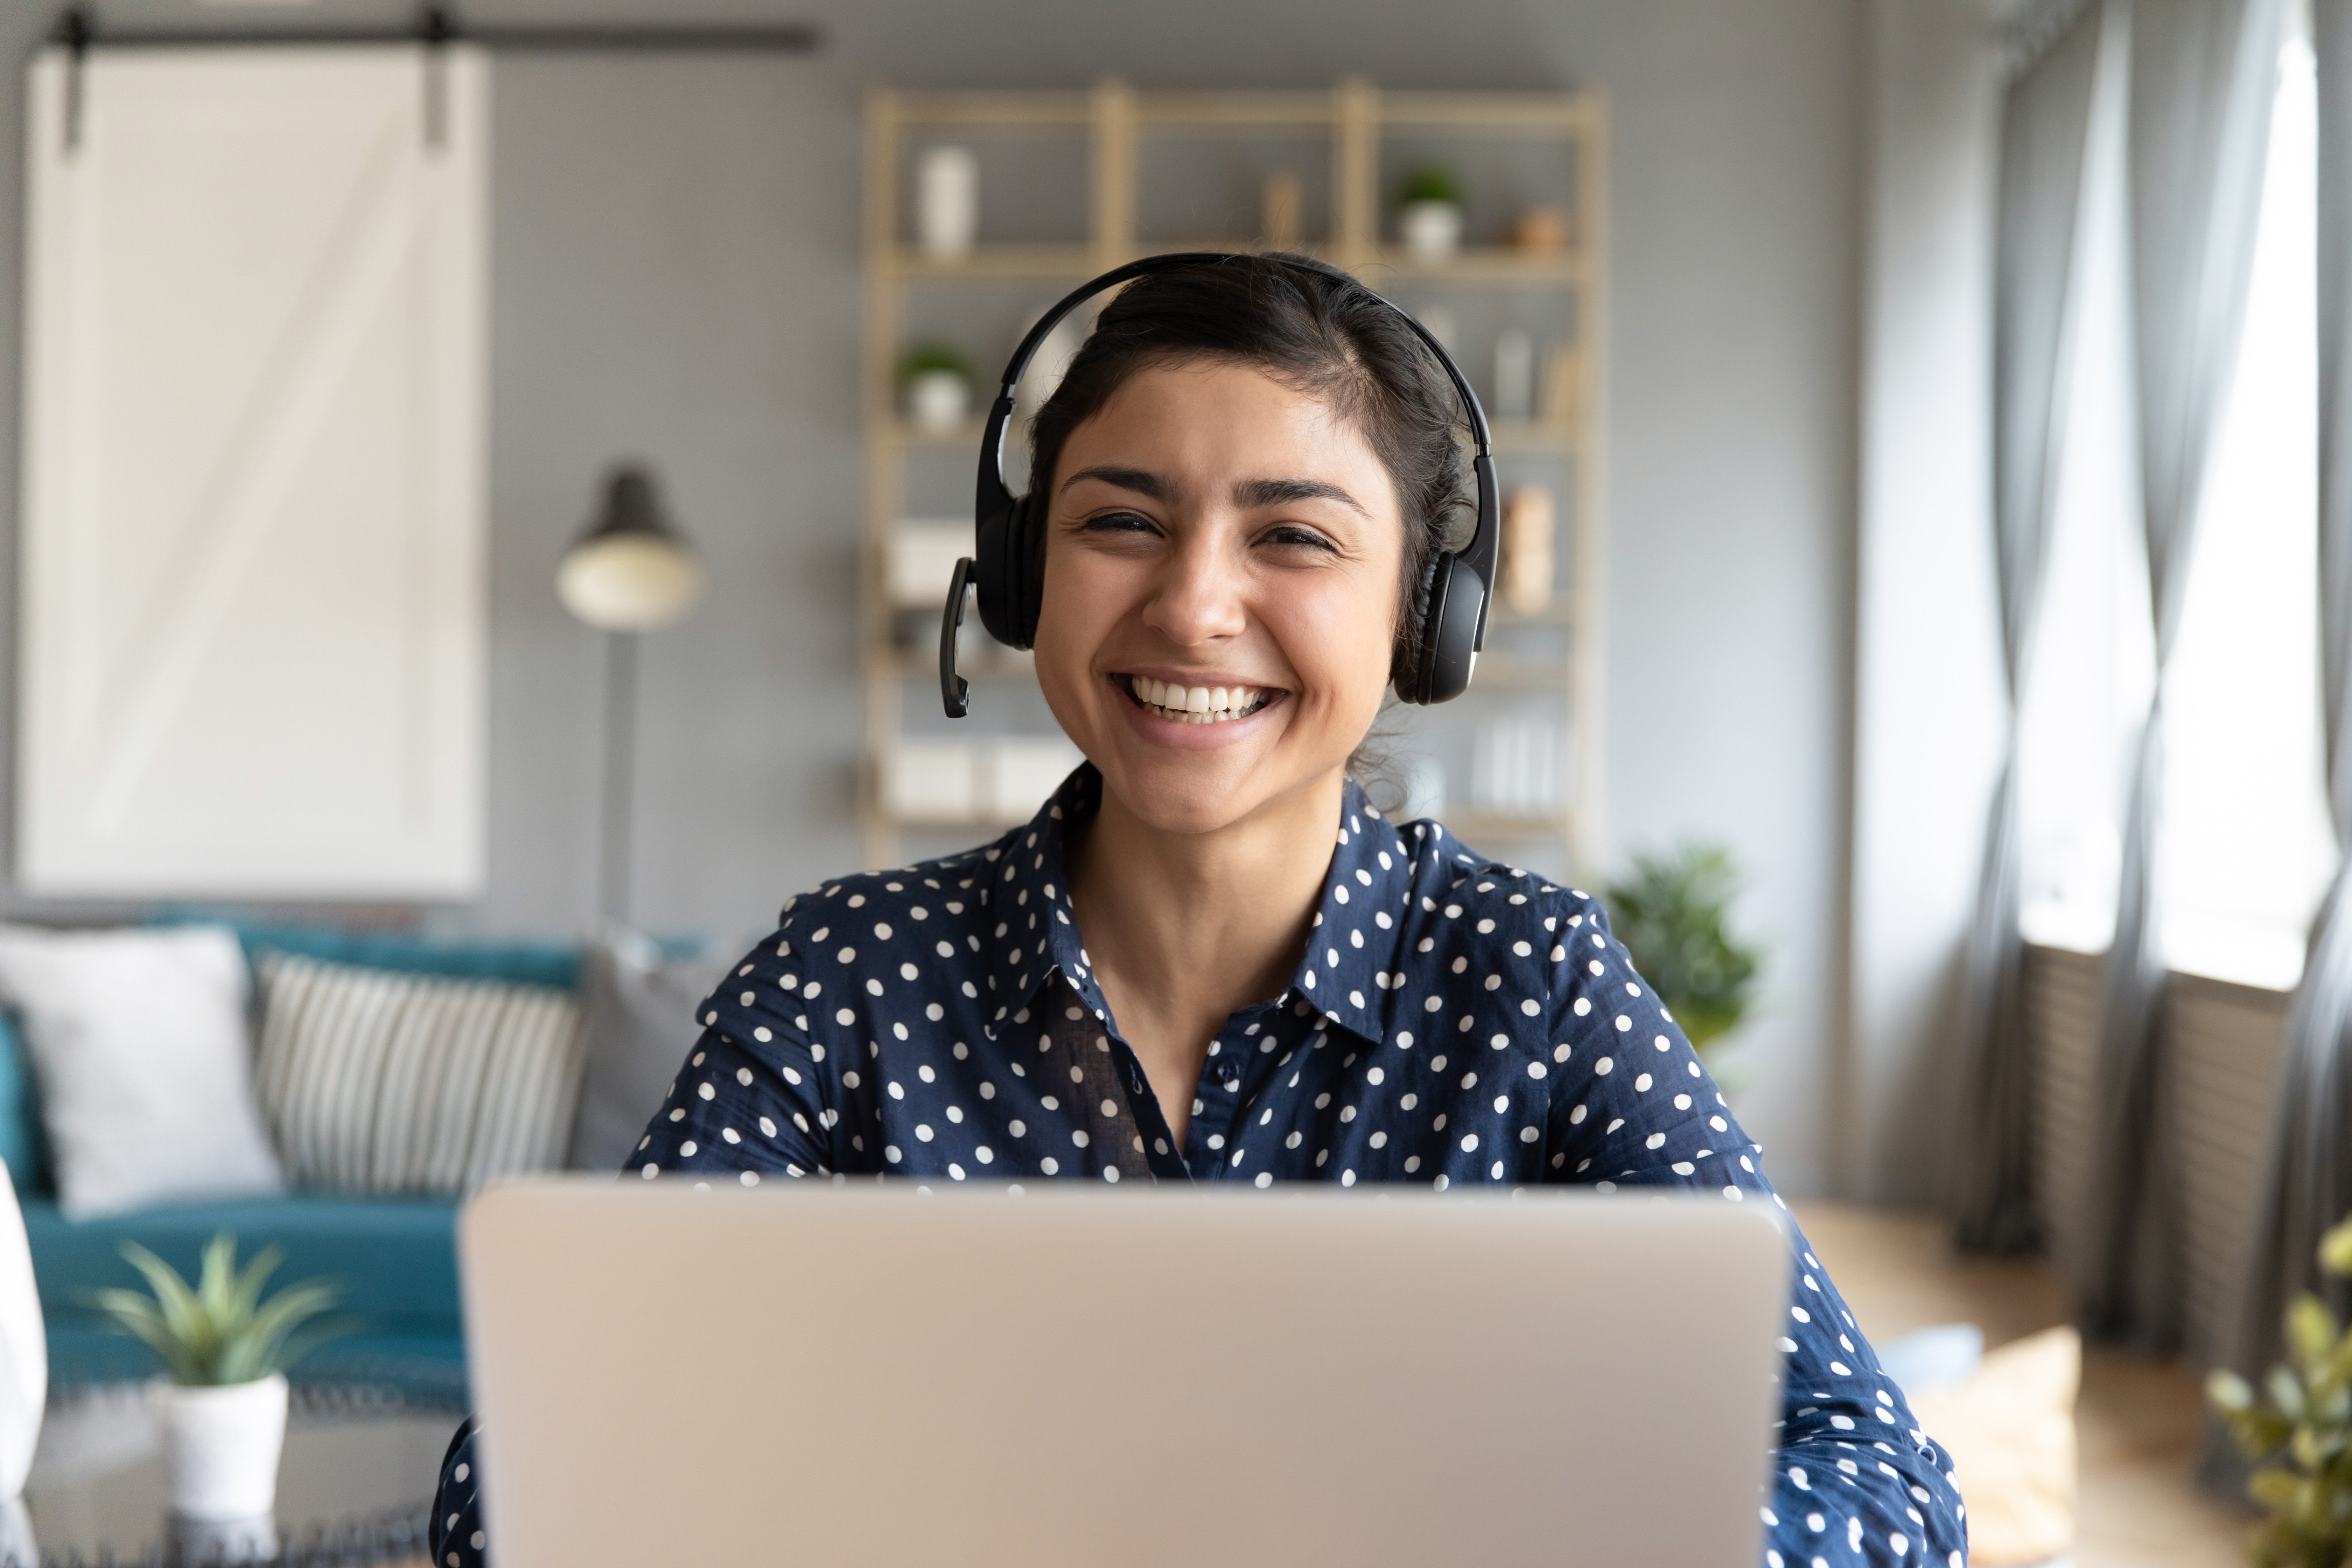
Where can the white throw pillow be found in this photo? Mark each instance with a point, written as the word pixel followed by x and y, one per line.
pixel 139 1041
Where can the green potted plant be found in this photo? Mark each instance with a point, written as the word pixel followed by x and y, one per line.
pixel 226 1349
pixel 937 380
pixel 2297 1429
pixel 1671 914
pixel 1429 214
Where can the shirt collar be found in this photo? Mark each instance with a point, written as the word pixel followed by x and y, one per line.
pixel 1347 972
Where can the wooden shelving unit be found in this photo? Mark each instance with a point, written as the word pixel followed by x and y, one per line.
pixel 1553 655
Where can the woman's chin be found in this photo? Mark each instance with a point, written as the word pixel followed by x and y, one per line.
pixel 1174 798
pixel 1191 789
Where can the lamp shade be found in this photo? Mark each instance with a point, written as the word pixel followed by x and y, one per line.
pixel 631 572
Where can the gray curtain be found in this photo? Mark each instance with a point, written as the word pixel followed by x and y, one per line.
pixel 2307 1185
pixel 2203 75
pixel 2045 120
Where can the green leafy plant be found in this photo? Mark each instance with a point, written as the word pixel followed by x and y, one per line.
pixel 1430 183
pixel 2297 1428
pixel 931 354
pixel 1670 915
pixel 221 1331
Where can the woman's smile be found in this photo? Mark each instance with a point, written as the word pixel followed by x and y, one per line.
pixel 1200 714
pixel 1217 703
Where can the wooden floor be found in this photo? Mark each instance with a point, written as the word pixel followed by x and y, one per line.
pixel 2138 1422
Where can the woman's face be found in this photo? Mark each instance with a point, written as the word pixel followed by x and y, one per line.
pixel 1221 592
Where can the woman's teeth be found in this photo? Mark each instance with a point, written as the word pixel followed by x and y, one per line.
pixel 1195 704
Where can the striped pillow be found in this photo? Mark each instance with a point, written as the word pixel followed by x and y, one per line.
pixel 385 1082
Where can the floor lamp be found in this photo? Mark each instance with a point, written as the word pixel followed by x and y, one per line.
pixel 630 573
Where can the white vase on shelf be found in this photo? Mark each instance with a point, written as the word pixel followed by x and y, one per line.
pixel 1432 231
pixel 946 201
pixel 938 401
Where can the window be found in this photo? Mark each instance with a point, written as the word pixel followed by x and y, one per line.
pixel 2245 849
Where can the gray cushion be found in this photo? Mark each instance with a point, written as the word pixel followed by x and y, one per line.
pixel 640 1025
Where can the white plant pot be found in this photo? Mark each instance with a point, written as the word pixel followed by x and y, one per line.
pixel 946 201
pixel 939 401
pixel 221 1447
pixel 1431 230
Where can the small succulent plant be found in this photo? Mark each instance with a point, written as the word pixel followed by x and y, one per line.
pixel 1430 183
pixel 221 1331
pixel 931 354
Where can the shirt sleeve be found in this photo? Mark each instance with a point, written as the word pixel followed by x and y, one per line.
pixel 749 1111
pixel 1854 1480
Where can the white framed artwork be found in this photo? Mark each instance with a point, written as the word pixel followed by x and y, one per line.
pixel 253 519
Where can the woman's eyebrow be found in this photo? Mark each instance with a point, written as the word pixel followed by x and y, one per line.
pixel 1252 493
pixel 1140 481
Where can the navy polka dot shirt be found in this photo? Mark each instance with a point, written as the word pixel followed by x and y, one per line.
pixel 1452 1022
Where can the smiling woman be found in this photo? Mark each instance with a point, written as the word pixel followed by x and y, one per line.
pixel 1208 958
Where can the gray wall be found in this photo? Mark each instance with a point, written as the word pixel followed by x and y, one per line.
pixel 676 254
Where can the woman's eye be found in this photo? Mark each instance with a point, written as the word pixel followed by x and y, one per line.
pixel 1119 522
pixel 1299 538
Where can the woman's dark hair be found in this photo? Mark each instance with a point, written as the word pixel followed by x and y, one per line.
pixel 1315 328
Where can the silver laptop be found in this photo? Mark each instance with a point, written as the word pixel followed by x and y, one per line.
pixel 982 1377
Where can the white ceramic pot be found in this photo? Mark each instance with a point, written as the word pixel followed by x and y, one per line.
pixel 1431 230
pixel 946 201
pixel 938 401
pixel 221 1446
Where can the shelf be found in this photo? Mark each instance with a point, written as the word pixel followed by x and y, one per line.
pixel 1512 437
pixel 1501 672
pixel 1475 264
pixel 997 262
pixel 1482 264
pixel 916 664
pixel 1038 110
pixel 1235 110
pixel 1548 661
pixel 1499 113
pixel 1496 671
pixel 1558 614
pixel 1474 827
pixel 966 436
pixel 1534 435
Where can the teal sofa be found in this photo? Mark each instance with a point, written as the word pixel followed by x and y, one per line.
pixel 394 1257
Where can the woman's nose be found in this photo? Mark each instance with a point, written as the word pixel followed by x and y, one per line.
pixel 1200 597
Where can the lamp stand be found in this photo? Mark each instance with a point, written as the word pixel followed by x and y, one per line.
pixel 616 853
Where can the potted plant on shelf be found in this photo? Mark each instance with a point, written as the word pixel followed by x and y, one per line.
pixel 937 380
pixel 1670 913
pixel 1429 214
pixel 223 1405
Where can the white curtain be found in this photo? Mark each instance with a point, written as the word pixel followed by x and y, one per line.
pixel 2203 74
pixel 2307 1184
pixel 2045 121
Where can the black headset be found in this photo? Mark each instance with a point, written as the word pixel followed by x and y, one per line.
pixel 1008 562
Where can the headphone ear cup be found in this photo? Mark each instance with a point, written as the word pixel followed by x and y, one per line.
pixel 1450 637
pixel 1029 563
pixel 1412 665
pixel 992 548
